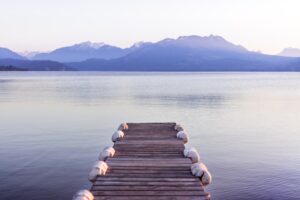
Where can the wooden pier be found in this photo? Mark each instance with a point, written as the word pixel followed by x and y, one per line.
pixel 148 164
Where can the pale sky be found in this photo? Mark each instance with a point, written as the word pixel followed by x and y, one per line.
pixel 43 25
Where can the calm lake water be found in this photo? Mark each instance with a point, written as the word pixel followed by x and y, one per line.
pixel 246 127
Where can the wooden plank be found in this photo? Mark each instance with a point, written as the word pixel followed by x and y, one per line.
pixel 131 136
pixel 148 143
pixel 148 163
pixel 177 153
pixel 166 149
pixel 151 126
pixel 145 168
pixel 150 175
pixel 160 148
pixel 146 134
pixel 128 159
pixel 106 178
pixel 148 154
pixel 152 198
pixel 128 171
pixel 149 193
pixel 148 150
pixel 148 183
pixel 174 142
pixel 151 188
pixel 143 155
pixel 150 160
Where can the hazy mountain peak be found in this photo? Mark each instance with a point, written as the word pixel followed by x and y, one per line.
pixel 166 40
pixel 29 54
pixel 203 42
pixel 7 53
pixel 89 44
pixel 197 37
pixel 138 44
pixel 290 52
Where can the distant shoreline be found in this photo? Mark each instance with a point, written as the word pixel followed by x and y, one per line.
pixel 11 68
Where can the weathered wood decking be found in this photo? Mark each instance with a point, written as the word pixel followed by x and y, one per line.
pixel 149 164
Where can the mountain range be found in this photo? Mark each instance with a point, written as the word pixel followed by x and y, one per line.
pixel 186 53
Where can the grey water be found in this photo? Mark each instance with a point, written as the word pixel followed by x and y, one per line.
pixel 53 125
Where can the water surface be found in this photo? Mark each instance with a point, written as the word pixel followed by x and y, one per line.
pixel 246 126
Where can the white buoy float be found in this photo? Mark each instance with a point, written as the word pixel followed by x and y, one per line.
pixel 83 195
pixel 123 126
pixel 99 168
pixel 116 135
pixel 178 127
pixel 192 153
pixel 183 135
pixel 201 171
pixel 107 152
